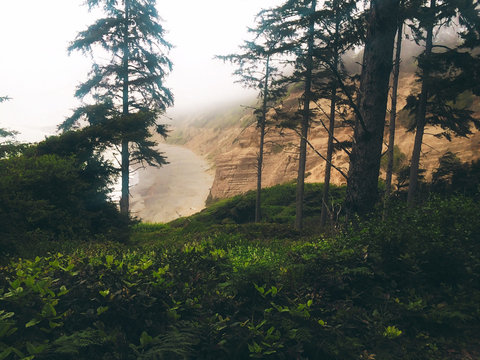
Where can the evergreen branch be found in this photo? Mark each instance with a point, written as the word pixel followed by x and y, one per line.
pixel 348 95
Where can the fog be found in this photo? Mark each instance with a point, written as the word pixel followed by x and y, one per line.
pixel 40 77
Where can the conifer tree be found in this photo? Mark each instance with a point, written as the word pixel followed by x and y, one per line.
pixel 362 184
pixel 296 20
pixel 408 10
pixel 393 110
pixel 422 102
pixel 5 133
pixel 316 38
pixel 258 69
pixel 128 90
pixel 336 38
pixel 307 60
pixel 444 74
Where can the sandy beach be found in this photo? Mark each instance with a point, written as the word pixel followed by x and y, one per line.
pixel 177 189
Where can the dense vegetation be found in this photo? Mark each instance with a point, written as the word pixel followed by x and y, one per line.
pixel 56 190
pixel 278 206
pixel 406 287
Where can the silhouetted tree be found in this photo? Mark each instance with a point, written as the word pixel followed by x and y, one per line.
pixel 258 69
pixel 444 75
pixel 336 36
pixel 296 21
pixel 393 108
pixel 362 184
pixel 7 145
pixel 129 88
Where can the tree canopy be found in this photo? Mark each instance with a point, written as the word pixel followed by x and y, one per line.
pixel 127 91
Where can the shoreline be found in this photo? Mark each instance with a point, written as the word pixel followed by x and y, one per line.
pixel 175 190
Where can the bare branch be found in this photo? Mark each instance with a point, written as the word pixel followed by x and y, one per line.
pixel 319 154
pixel 325 127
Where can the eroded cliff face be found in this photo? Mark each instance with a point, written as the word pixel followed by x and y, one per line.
pixel 232 150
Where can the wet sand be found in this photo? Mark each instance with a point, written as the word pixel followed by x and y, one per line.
pixel 177 189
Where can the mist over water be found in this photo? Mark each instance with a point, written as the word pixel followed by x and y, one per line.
pixel 177 189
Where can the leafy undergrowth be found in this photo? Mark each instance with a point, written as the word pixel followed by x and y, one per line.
pixel 278 207
pixel 404 288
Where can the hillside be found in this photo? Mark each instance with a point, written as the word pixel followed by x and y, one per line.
pixel 228 139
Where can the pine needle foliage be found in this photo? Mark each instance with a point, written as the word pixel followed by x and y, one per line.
pixel 125 94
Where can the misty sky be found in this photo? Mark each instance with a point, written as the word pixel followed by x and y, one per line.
pixel 40 77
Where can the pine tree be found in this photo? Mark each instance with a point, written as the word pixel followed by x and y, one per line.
pixel 258 69
pixel 422 104
pixel 306 116
pixel 408 10
pixel 362 184
pixel 128 90
pixel 393 110
pixel 336 38
pixel 296 21
pixel 315 38
pixel 5 134
pixel 444 75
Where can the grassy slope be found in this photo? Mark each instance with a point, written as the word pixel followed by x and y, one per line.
pixel 211 287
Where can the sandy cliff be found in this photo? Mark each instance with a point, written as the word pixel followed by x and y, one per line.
pixel 232 150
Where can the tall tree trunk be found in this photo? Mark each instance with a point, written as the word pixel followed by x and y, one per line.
pixel 331 126
pixel 393 112
pixel 263 120
pixel 300 193
pixel 125 200
pixel 421 114
pixel 125 167
pixel 362 184
pixel 328 163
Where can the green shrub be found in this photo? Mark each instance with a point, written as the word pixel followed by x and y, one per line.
pixel 278 206
pixel 57 190
pixel 406 287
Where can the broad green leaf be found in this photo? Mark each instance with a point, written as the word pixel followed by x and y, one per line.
pixel 49 311
pixel 32 322
pixel 101 310
pixel 145 339
pixel 5 353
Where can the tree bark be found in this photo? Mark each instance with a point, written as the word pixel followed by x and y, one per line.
pixel 125 167
pixel 331 126
pixel 393 112
pixel 420 115
pixel 362 184
pixel 300 192
pixel 328 162
pixel 258 207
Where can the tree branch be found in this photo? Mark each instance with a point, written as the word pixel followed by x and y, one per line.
pixel 325 127
pixel 348 95
pixel 318 153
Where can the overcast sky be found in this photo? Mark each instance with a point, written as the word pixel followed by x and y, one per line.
pixel 40 77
